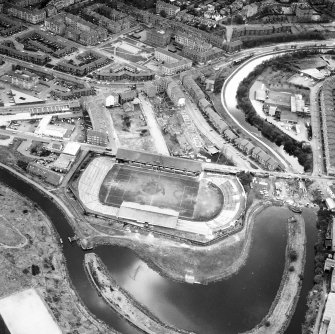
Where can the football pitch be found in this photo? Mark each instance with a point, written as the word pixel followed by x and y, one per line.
pixel 164 190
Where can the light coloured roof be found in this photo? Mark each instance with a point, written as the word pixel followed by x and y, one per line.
pixel 328 319
pixel 148 214
pixel 22 98
pixel 26 313
pixel 330 203
pixel 71 148
pixel 63 162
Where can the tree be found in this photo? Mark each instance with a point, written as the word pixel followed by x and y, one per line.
pixel 293 255
pixel 35 270
pixel 163 13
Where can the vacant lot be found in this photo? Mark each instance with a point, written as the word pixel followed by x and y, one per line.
pixel 30 256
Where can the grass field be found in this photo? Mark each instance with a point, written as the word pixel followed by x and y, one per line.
pixel 192 199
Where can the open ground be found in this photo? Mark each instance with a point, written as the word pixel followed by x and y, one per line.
pixel 39 264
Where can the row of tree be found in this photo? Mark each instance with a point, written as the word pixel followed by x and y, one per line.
pixel 268 130
pixel 315 295
pixel 283 39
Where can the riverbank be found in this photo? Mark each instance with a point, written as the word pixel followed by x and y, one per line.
pixel 38 263
pixel 43 250
pixel 283 306
pixel 122 302
pixel 176 261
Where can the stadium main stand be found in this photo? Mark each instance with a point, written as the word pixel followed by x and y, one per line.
pixel 162 162
pixel 149 214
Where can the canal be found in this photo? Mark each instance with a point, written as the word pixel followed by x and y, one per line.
pixel 227 307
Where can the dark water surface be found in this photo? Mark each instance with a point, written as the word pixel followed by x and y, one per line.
pixel 227 307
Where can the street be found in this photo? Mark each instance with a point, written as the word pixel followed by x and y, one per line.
pixel 154 128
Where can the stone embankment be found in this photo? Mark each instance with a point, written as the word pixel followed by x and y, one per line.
pixel 122 302
pixel 283 306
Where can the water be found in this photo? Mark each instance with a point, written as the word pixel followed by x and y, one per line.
pixel 226 307
pixel 311 233
pixel 231 103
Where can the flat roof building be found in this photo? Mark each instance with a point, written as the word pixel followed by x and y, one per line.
pixel 71 148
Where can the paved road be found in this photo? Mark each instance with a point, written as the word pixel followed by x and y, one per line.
pixel 212 167
pixel 154 128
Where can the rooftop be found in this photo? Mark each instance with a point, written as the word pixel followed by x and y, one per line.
pixel 148 214
pixel 26 313
pixel 159 160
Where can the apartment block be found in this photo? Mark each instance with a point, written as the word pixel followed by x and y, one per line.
pixel 23 79
pixel 202 56
pixel 76 29
pixel 55 24
pixel 97 138
pixel 158 37
pixel 172 63
pixel 192 42
pixel 33 16
pixel 169 9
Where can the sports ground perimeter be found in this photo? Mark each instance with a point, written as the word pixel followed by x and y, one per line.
pixel 165 190
pixel 205 204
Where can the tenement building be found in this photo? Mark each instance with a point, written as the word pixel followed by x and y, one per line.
pixel 169 9
pixel 172 63
pixel 158 37
pixel 76 29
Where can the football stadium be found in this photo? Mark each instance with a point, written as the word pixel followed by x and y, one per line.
pixel 147 189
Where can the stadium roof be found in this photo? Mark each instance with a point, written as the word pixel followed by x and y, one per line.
pixel 159 160
pixel 148 214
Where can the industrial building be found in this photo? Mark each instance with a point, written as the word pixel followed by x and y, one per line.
pixel 48 130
